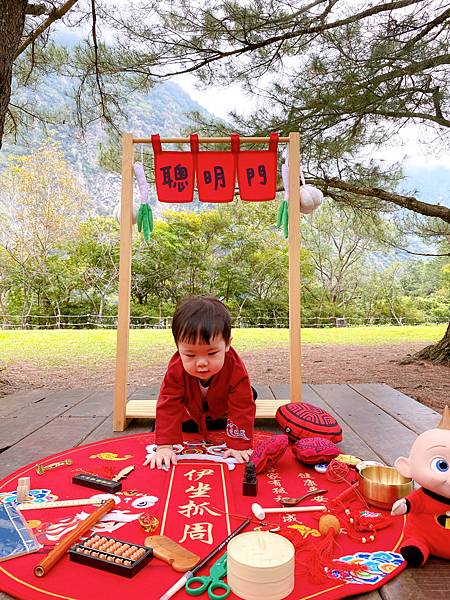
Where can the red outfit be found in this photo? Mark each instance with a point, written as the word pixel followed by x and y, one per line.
pixel 229 394
pixel 427 526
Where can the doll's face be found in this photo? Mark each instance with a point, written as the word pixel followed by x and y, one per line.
pixel 429 461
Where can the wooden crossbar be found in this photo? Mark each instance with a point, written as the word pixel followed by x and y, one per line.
pixel 210 140
pixel 122 412
pixel 146 409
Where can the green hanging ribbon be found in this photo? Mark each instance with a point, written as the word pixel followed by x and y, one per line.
pixel 145 220
pixel 283 218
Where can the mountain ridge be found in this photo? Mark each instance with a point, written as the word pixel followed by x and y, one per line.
pixel 162 109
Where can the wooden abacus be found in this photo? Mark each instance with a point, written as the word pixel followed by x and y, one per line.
pixel 110 554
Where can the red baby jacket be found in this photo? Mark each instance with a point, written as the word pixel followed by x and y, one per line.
pixel 229 394
pixel 428 522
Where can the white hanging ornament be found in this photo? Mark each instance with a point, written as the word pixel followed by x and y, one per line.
pixel 134 212
pixel 310 196
pixel 138 169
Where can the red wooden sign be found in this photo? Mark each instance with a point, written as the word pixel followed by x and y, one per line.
pixel 216 172
pixel 174 173
pixel 257 172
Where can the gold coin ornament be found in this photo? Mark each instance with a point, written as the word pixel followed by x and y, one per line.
pixel 148 522
pixel 348 459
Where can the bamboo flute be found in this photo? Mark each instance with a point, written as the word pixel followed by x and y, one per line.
pixel 58 552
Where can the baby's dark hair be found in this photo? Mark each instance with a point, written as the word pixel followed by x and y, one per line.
pixel 200 319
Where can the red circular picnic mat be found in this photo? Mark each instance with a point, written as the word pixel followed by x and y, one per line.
pixel 197 503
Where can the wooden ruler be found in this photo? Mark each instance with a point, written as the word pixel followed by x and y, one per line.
pixel 60 503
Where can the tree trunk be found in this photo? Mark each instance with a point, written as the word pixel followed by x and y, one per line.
pixel 437 353
pixel 12 19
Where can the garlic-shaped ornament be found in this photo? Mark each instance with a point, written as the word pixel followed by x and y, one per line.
pixel 116 213
pixel 310 198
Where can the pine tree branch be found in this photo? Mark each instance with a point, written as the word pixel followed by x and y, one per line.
pixel 411 69
pixel 98 77
pixel 321 28
pixel 55 15
pixel 397 247
pixel 440 120
pixel 409 202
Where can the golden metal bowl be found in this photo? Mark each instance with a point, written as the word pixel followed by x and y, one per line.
pixel 382 486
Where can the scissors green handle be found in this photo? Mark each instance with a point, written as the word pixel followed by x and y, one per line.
pixel 213 582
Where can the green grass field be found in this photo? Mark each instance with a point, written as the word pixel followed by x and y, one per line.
pixel 89 348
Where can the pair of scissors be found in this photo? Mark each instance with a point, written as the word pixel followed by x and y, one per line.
pixel 212 583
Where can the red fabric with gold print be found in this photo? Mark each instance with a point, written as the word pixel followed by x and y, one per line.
pixel 198 503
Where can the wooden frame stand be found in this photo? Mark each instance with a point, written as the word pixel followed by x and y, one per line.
pixel 140 409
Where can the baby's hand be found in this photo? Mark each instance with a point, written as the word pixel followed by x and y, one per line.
pixel 163 457
pixel 399 507
pixel 240 455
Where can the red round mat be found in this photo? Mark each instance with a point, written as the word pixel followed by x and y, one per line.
pixel 197 503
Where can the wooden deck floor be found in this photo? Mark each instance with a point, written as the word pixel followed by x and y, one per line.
pixel 377 421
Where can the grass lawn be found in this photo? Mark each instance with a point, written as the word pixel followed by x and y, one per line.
pixel 89 348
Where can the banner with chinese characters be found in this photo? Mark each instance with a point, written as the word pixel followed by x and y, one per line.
pixel 174 173
pixel 216 172
pixel 257 172
pixel 197 505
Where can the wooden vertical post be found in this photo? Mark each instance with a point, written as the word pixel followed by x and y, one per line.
pixel 294 269
pixel 123 318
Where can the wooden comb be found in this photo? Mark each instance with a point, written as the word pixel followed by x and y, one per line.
pixel 164 548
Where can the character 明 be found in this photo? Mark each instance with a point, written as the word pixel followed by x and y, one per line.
pixel 427 528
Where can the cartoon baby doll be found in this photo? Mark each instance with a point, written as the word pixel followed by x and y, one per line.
pixel 427 529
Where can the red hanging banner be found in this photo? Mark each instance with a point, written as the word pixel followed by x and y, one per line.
pixel 174 173
pixel 216 172
pixel 257 172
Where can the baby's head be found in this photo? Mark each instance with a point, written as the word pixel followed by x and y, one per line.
pixel 201 327
pixel 429 459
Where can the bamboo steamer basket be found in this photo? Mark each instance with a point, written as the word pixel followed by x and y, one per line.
pixel 260 566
